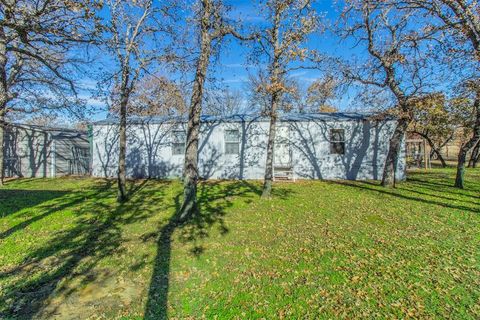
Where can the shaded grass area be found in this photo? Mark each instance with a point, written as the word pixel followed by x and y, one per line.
pixel 316 250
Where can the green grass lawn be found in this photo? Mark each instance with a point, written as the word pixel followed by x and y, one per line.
pixel 315 250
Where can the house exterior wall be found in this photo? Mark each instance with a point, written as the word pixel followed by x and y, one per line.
pixel 35 152
pixel 149 150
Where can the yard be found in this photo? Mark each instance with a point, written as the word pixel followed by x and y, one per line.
pixel 316 250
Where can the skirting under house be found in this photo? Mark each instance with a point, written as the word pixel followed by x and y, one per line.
pixel 308 146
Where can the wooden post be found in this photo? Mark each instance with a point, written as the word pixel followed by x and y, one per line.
pixel 425 154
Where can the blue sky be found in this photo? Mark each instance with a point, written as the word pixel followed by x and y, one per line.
pixel 231 69
pixel 232 65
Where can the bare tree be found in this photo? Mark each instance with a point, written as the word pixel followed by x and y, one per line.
pixel 131 34
pixel 461 20
pixel 282 43
pixel 321 92
pixel 397 63
pixel 213 27
pixel 155 96
pixel 36 67
pixel 475 157
pixel 470 99
pixel 433 121
pixel 223 101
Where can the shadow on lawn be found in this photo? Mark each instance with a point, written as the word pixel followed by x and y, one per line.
pixel 214 199
pixel 55 270
pixel 439 197
pixel 15 200
pixel 71 254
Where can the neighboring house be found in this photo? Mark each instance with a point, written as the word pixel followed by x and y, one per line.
pixel 308 146
pixel 34 151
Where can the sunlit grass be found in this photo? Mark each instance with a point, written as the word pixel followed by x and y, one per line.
pixel 316 250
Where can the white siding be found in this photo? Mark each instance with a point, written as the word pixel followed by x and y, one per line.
pixel 149 150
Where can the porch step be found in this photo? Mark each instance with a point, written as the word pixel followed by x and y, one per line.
pixel 284 174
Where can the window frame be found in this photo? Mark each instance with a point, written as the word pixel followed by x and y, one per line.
pixel 176 142
pixel 334 142
pixel 228 141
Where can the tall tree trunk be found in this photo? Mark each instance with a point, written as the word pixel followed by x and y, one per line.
pixel 275 82
pixel 125 90
pixel 390 169
pixel 2 151
pixel 3 100
pixel 122 172
pixel 462 154
pixel 267 184
pixel 189 206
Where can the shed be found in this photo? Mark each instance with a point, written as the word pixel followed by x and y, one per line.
pixel 36 151
pixel 308 146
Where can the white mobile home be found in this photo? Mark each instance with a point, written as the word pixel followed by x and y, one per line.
pixel 308 146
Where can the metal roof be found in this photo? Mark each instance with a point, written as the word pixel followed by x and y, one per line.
pixel 45 128
pixel 286 117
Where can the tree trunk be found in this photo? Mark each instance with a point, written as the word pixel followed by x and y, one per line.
pixel 122 174
pixel 267 184
pixel 435 150
pixel 3 100
pixel 459 179
pixel 2 160
pixel 475 156
pixel 189 206
pixel 275 81
pixel 462 154
pixel 390 169
pixel 440 157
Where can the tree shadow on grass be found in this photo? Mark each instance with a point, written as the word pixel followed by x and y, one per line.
pixel 14 200
pixel 71 255
pixel 417 195
pixel 215 198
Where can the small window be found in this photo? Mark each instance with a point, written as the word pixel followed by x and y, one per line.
pixel 178 142
pixel 337 141
pixel 232 142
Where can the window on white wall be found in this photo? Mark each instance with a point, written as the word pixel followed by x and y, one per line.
pixel 337 141
pixel 178 142
pixel 232 142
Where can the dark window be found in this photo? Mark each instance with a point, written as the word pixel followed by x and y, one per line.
pixel 337 141
pixel 232 142
pixel 178 142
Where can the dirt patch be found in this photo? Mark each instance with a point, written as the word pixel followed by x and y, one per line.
pixel 105 295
